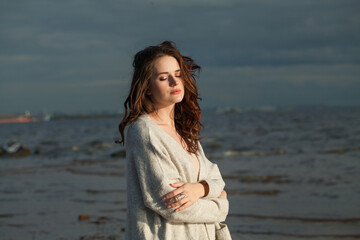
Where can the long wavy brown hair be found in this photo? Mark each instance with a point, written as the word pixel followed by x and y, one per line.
pixel 187 112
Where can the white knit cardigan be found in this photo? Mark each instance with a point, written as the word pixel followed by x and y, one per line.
pixel 155 160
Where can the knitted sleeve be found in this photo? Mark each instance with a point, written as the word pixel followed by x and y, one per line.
pixel 155 172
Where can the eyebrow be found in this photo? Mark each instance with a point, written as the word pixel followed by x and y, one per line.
pixel 178 70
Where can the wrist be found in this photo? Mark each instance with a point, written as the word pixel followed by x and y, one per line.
pixel 201 190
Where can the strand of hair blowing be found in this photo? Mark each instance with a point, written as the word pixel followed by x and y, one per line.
pixel 187 112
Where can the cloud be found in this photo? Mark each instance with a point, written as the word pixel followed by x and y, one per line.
pixel 257 45
pixel 76 96
pixel 281 85
pixel 20 58
pixel 335 75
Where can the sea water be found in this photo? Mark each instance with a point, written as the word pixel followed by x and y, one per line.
pixel 289 173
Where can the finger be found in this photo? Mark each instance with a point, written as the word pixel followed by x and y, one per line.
pixel 179 202
pixel 176 185
pixel 172 198
pixel 184 206
pixel 173 193
pixel 175 200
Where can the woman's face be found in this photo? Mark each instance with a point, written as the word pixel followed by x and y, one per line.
pixel 166 86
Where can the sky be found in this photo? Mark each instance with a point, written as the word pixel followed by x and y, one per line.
pixel 74 56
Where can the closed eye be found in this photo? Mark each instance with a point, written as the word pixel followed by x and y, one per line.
pixel 177 73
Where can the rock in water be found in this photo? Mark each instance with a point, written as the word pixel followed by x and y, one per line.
pixel 84 217
pixel 14 149
pixel 23 152
pixel 11 147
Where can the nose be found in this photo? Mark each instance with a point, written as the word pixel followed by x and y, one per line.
pixel 173 81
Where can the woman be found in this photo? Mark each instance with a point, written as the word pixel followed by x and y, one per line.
pixel 174 191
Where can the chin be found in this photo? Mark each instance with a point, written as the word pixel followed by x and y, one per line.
pixel 179 99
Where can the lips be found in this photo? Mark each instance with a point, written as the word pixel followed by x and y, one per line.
pixel 176 91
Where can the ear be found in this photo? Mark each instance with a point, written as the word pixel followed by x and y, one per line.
pixel 148 92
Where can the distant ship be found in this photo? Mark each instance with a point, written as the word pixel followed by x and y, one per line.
pixel 47 117
pixel 23 118
pixel 15 119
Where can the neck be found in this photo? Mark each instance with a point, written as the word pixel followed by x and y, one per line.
pixel 164 115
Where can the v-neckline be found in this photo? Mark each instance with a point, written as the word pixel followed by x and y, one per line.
pixel 178 144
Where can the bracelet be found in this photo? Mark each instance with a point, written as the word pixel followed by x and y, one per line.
pixel 206 187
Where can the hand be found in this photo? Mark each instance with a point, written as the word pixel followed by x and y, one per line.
pixel 223 194
pixel 192 192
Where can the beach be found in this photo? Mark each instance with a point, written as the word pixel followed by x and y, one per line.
pixel 289 173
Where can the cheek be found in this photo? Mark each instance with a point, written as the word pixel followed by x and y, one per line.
pixel 182 84
pixel 157 89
